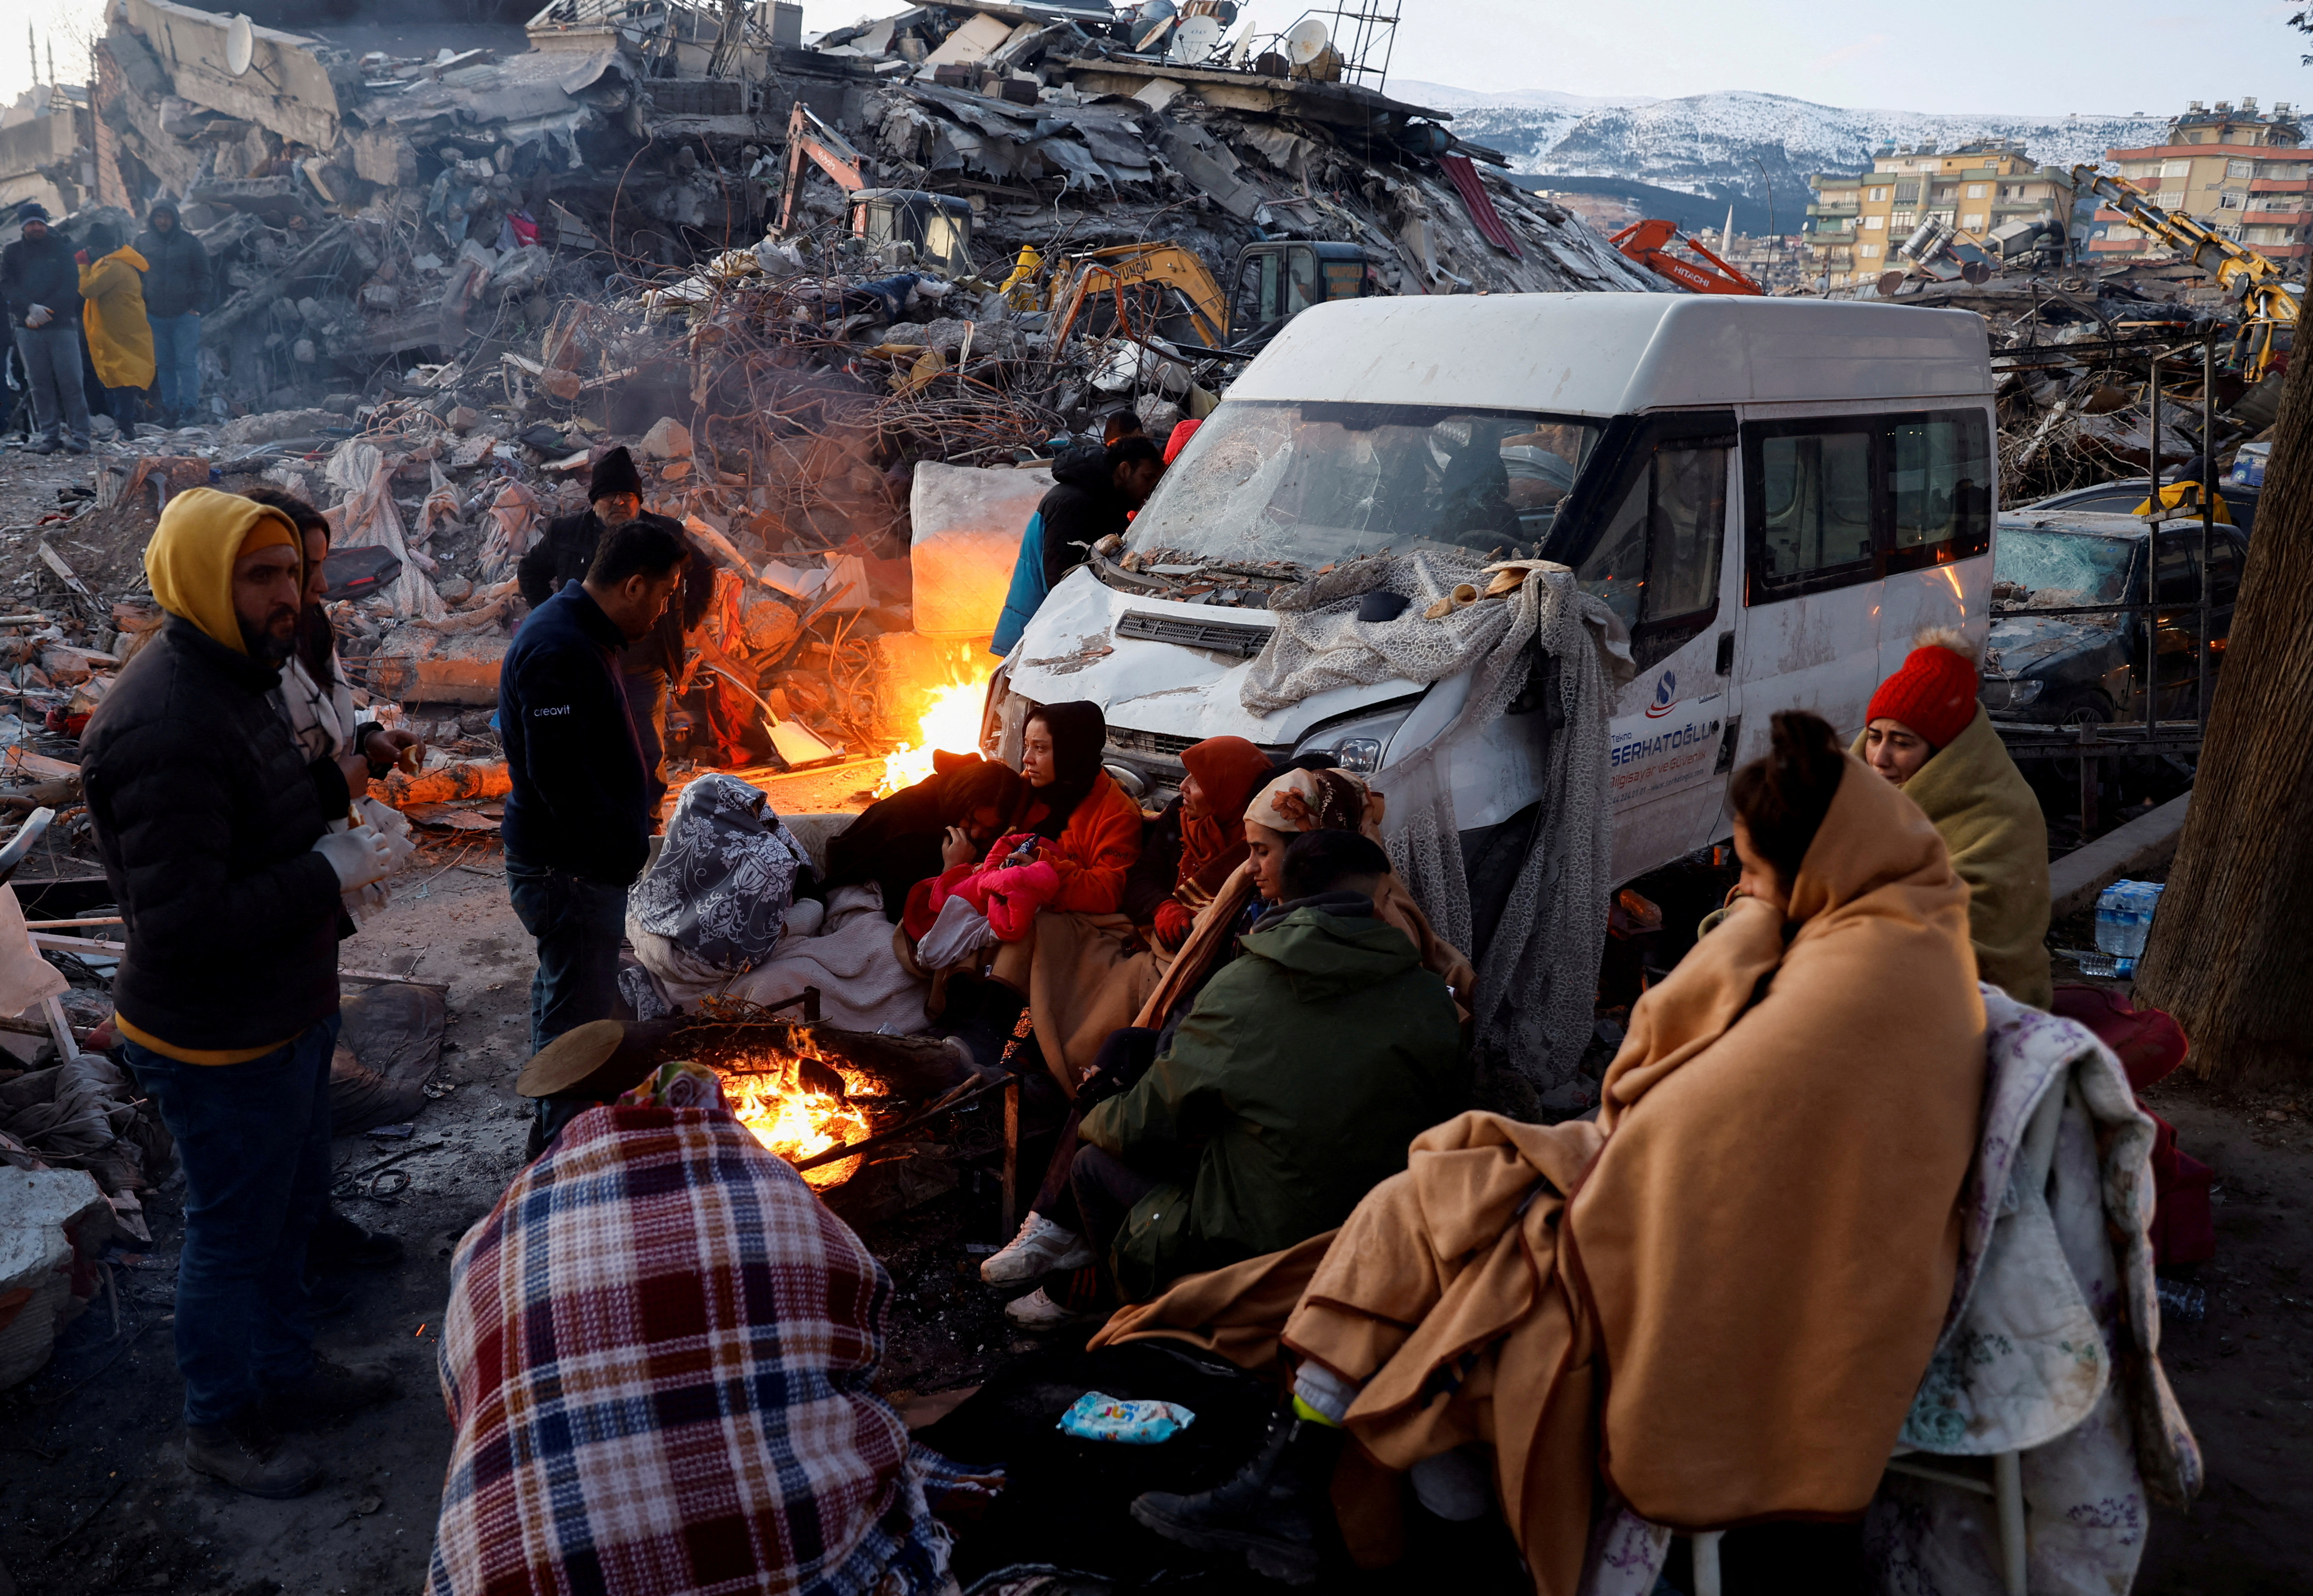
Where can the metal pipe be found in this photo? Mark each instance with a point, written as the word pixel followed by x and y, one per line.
pixel 2208 517
pixel 2152 674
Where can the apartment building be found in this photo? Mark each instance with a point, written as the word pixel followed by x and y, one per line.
pixel 2235 169
pixel 1855 222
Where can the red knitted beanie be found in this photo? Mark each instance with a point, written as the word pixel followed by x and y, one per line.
pixel 1933 695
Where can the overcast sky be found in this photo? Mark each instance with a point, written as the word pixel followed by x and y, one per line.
pixel 2015 56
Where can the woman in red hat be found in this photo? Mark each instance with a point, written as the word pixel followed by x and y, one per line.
pixel 1925 731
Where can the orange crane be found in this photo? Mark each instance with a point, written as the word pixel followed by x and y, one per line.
pixel 1647 243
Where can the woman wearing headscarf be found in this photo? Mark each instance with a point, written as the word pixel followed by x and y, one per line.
pixel 722 912
pixel 1193 848
pixel 1771 1161
pixel 1053 893
pixel 1296 801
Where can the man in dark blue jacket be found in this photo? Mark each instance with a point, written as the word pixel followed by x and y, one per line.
pixel 577 821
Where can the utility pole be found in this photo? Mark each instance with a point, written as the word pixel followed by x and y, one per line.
pixel 1770 185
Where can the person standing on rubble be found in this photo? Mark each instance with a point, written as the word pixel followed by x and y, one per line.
pixel 1095 492
pixel 39 280
pixel 564 554
pixel 229 881
pixel 179 284
pixel 112 314
pixel 578 819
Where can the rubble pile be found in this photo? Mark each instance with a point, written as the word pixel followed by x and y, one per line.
pixel 448 283
pixel 2073 353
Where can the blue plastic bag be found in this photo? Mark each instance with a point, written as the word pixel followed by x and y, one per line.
pixel 1094 1416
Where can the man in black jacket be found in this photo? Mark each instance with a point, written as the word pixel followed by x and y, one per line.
pixel 217 846
pixel 577 821
pixel 40 282
pixel 564 554
pixel 1094 493
pixel 179 285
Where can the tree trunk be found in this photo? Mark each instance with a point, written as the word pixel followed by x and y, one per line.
pixel 2231 950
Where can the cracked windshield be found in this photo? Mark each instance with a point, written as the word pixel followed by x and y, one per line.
pixel 1315 483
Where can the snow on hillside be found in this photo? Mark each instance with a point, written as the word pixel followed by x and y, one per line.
pixel 1717 143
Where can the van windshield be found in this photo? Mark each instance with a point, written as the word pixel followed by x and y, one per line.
pixel 1314 482
pixel 2043 567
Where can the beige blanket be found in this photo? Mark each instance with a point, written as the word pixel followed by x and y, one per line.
pixel 1730 1319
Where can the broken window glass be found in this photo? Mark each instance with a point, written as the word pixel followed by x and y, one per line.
pixel 1315 482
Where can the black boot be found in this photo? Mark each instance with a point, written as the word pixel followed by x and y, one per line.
pixel 1278 1510
pixel 339 1244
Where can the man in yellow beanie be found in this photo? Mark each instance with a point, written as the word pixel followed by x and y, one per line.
pixel 214 838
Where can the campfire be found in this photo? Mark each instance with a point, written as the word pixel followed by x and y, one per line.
pixel 804 1090
pixel 949 722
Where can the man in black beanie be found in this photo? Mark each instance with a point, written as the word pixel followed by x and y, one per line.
pixel 566 551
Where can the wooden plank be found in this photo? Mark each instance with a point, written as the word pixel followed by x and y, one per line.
pixel 78 945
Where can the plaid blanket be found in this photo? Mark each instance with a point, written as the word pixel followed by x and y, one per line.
pixel 659 1357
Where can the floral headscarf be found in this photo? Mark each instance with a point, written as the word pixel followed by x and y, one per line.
pixel 678 1083
pixel 1318 800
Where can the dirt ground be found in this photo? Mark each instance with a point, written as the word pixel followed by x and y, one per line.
pixel 94 1494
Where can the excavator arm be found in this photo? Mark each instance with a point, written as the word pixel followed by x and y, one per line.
pixel 808 137
pixel 1648 243
pixel 1111 271
pixel 2268 307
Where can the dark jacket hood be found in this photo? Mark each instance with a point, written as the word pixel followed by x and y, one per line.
pixel 1326 954
pixel 1085 467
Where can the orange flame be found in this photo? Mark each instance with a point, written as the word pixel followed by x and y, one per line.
pixel 794 1119
pixel 949 722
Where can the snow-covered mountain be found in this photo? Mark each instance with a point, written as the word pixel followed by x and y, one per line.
pixel 1719 143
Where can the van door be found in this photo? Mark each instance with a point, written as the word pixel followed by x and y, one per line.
pixel 1852 528
pixel 1660 559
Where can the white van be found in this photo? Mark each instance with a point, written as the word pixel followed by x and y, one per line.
pixel 1774 494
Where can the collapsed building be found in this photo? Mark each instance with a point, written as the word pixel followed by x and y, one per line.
pixel 457 261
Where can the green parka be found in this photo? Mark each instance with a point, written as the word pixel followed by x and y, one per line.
pixel 1292 1087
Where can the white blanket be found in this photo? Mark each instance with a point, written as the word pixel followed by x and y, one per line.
pixel 862 984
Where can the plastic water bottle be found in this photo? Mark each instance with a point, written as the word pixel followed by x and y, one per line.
pixel 2124 919
pixel 2181 1300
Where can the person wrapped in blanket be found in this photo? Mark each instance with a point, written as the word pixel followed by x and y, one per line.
pixel 660 1359
pixel 898 842
pixel 1034 914
pixel 1296 801
pixel 1710 1307
pixel 731 909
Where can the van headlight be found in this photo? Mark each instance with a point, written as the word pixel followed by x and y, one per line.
pixel 1359 745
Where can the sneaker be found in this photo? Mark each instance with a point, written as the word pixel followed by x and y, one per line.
pixel 41 446
pixel 249 1455
pixel 75 444
pixel 1041 1249
pixel 328 1390
pixel 339 1244
pixel 1040 1312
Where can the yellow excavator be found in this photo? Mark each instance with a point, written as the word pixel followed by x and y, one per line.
pixel 2268 305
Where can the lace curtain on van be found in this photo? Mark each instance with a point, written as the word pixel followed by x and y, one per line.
pixel 1538 981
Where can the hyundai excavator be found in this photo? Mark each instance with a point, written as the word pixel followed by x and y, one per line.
pixel 1649 244
pixel 2268 305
